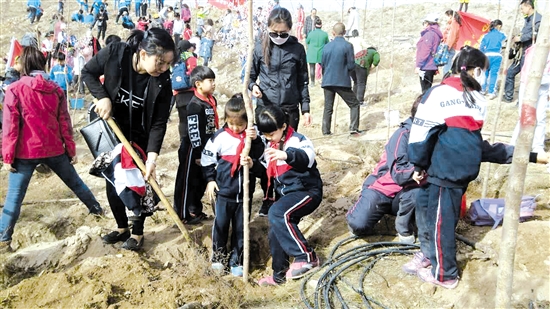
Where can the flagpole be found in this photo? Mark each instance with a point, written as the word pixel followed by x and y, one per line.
pixel 10 53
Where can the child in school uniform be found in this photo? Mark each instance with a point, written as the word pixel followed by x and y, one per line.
pixel 224 176
pixel 201 122
pixel 289 158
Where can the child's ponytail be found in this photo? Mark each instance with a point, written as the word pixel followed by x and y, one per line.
pixel 469 58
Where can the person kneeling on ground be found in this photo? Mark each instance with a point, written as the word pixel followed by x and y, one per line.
pixel 390 189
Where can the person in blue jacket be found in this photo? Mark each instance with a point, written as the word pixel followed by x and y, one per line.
pixel 61 73
pixel 78 16
pixel 491 45
pixel 89 19
pixel 32 7
pixel 389 189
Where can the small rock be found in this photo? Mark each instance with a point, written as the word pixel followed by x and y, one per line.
pixel 167 264
pixel 118 255
pixel 312 283
pixel 193 305
pixel 127 294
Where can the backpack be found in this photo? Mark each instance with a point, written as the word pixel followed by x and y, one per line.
pixel 441 56
pixel 489 211
pixel 180 78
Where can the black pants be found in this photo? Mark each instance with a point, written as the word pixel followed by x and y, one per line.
pixel 427 81
pixel 101 31
pixel 351 100
pixel 144 9
pixel 228 213
pixel 190 184
pixel 359 77
pixel 120 12
pixel 119 211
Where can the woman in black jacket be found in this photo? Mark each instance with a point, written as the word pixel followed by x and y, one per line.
pixel 279 61
pixel 144 59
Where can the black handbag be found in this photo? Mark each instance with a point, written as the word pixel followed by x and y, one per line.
pixel 99 137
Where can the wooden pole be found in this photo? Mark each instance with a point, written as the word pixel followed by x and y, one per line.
pixel 378 46
pixel 151 180
pixel 528 121
pixel 391 68
pixel 502 78
pixel 246 150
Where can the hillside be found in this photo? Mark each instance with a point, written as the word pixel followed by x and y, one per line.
pixel 61 261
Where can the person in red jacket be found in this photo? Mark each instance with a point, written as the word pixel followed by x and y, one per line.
pixel 36 129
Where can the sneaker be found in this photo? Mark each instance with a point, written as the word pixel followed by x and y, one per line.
pixel 237 271
pixel 218 268
pixel 299 269
pixel 419 261
pixel 356 133
pixel 97 210
pixel 264 209
pixel 425 275
pixel 133 244
pixel 327 134
pixel 406 239
pixel 115 236
pixel 491 96
pixel 507 100
pixel 267 281
pixel 5 246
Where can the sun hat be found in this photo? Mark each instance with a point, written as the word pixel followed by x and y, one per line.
pixel 432 18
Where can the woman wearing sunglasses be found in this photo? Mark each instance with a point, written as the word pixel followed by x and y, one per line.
pixel 279 62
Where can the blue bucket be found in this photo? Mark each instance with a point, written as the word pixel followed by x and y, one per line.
pixel 77 103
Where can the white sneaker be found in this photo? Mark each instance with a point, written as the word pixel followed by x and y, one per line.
pixel 406 239
pixel 491 96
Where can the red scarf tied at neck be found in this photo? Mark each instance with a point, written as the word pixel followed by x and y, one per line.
pixel 272 164
pixel 212 102
pixel 235 161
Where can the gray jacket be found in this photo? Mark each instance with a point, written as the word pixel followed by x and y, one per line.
pixel 527 30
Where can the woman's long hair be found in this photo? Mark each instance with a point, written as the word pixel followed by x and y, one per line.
pixel 32 59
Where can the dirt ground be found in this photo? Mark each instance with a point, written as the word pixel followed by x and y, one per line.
pixel 61 262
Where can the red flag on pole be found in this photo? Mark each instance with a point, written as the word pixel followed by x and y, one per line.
pixel 225 4
pixel 15 50
pixel 472 30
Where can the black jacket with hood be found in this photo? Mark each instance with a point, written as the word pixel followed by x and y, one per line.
pixel 285 82
pixel 157 97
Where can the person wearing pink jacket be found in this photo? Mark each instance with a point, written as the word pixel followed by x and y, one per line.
pixel 37 129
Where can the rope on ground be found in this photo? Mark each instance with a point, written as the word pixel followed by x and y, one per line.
pixel 341 271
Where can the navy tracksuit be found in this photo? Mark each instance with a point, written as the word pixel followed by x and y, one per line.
pixel 299 191
pixel 220 159
pixel 201 122
pixel 446 142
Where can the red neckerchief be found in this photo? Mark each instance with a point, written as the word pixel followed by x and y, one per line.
pixel 272 165
pixel 212 102
pixel 237 158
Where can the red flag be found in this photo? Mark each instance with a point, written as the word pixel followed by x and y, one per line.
pixel 15 51
pixel 472 30
pixel 225 4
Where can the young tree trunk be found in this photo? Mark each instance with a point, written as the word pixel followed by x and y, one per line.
pixel 246 150
pixel 519 165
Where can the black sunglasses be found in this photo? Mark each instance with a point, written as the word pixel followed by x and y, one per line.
pixel 282 35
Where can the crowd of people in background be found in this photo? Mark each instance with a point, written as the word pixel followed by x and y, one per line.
pixel 412 175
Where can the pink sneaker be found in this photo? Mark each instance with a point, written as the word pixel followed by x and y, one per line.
pixel 267 281
pixel 425 275
pixel 299 269
pixel 418 261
